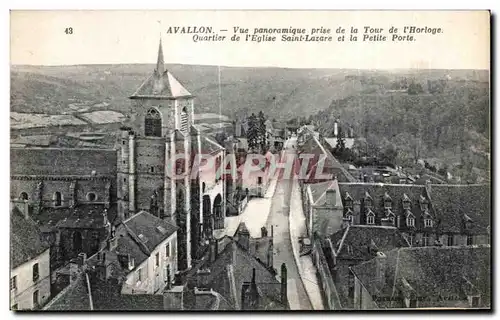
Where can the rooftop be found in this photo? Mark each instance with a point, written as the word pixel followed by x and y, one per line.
pixel 439 273
pixel 26 241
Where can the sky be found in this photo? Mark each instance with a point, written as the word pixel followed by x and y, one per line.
pixel 120 37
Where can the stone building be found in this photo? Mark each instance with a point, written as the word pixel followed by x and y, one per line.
pixel 73 193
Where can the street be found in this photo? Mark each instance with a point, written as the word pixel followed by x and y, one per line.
pixel 279 219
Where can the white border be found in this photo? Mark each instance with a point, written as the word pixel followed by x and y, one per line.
pixel 188 4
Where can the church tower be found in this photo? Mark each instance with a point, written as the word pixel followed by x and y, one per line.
pixel 155 154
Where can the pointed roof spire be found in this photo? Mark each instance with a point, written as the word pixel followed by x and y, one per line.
pixel 160 64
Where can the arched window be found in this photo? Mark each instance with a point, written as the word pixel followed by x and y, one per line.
pixel 57 199
pixel 152 123
pixel 217 213
pixel 23 196
pixel 91 196
pixel 184 120
pixel 203 187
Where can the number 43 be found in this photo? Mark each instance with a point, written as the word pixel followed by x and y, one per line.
pixel 68 30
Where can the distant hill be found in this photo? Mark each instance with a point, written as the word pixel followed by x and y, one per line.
pixel 279 92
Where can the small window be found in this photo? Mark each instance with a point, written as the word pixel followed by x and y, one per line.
pixel 370 220
pixel 410 222
pixel 425 240
pixel 57 199
pixel 428 223
pixel 349 249
pixel 259 180
pixel 13 283
pixel 23 196
pixel 475 302
pixel 124 162
pixel 35 298
pixel 450 240
pixel 123 142
pixel 36 274
pixel 139 275
pixel 152 169
pixel 167 250
pixel 91 196
pixel 124 179
pixel 406 204
pixel 157 256
pixel 470 240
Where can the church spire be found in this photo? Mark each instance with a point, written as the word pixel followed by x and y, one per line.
pixel 160 67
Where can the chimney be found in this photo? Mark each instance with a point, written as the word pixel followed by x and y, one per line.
pixel 126 261
pixel 270 252
pixel 75 268
pixel 213 249
pixel 381 266
pixel 202 277
pixel 284 299
pixel 331 198
pixel 112 243
pixel 263 232
pixel 356 212
pixel 250 294
pixel 82 258
pixel 335 129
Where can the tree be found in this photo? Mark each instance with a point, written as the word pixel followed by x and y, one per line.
pixel 340 148
pixel 261 122
pixel 253 132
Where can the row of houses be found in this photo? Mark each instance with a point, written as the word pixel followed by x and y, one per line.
pixel 379 246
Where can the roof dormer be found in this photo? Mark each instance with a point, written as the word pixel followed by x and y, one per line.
pixel 468 222
pixel 387 201
pixel 370 217
pixel 424 203
pixel 406 202
pixel 368 200
pixel 348 200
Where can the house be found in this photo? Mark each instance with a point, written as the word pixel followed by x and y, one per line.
pixel 29 263
pixel 149 168
pixel 139 260
pixel 246 282
pixel 426 215
pixel 318 163
pixel 351 246
pixel 425 277
pixel 323 208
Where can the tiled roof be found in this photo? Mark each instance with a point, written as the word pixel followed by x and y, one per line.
pixel 330 164
pixel 452 202
pixel 81 216
pixel 62 161
pixel 75 297
pixel 430 272
pixel 376 191
pixel 147 225
pixel 26 241
pixel 233 267
pixel 363 240
pixel 318 191
pixel 163 85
